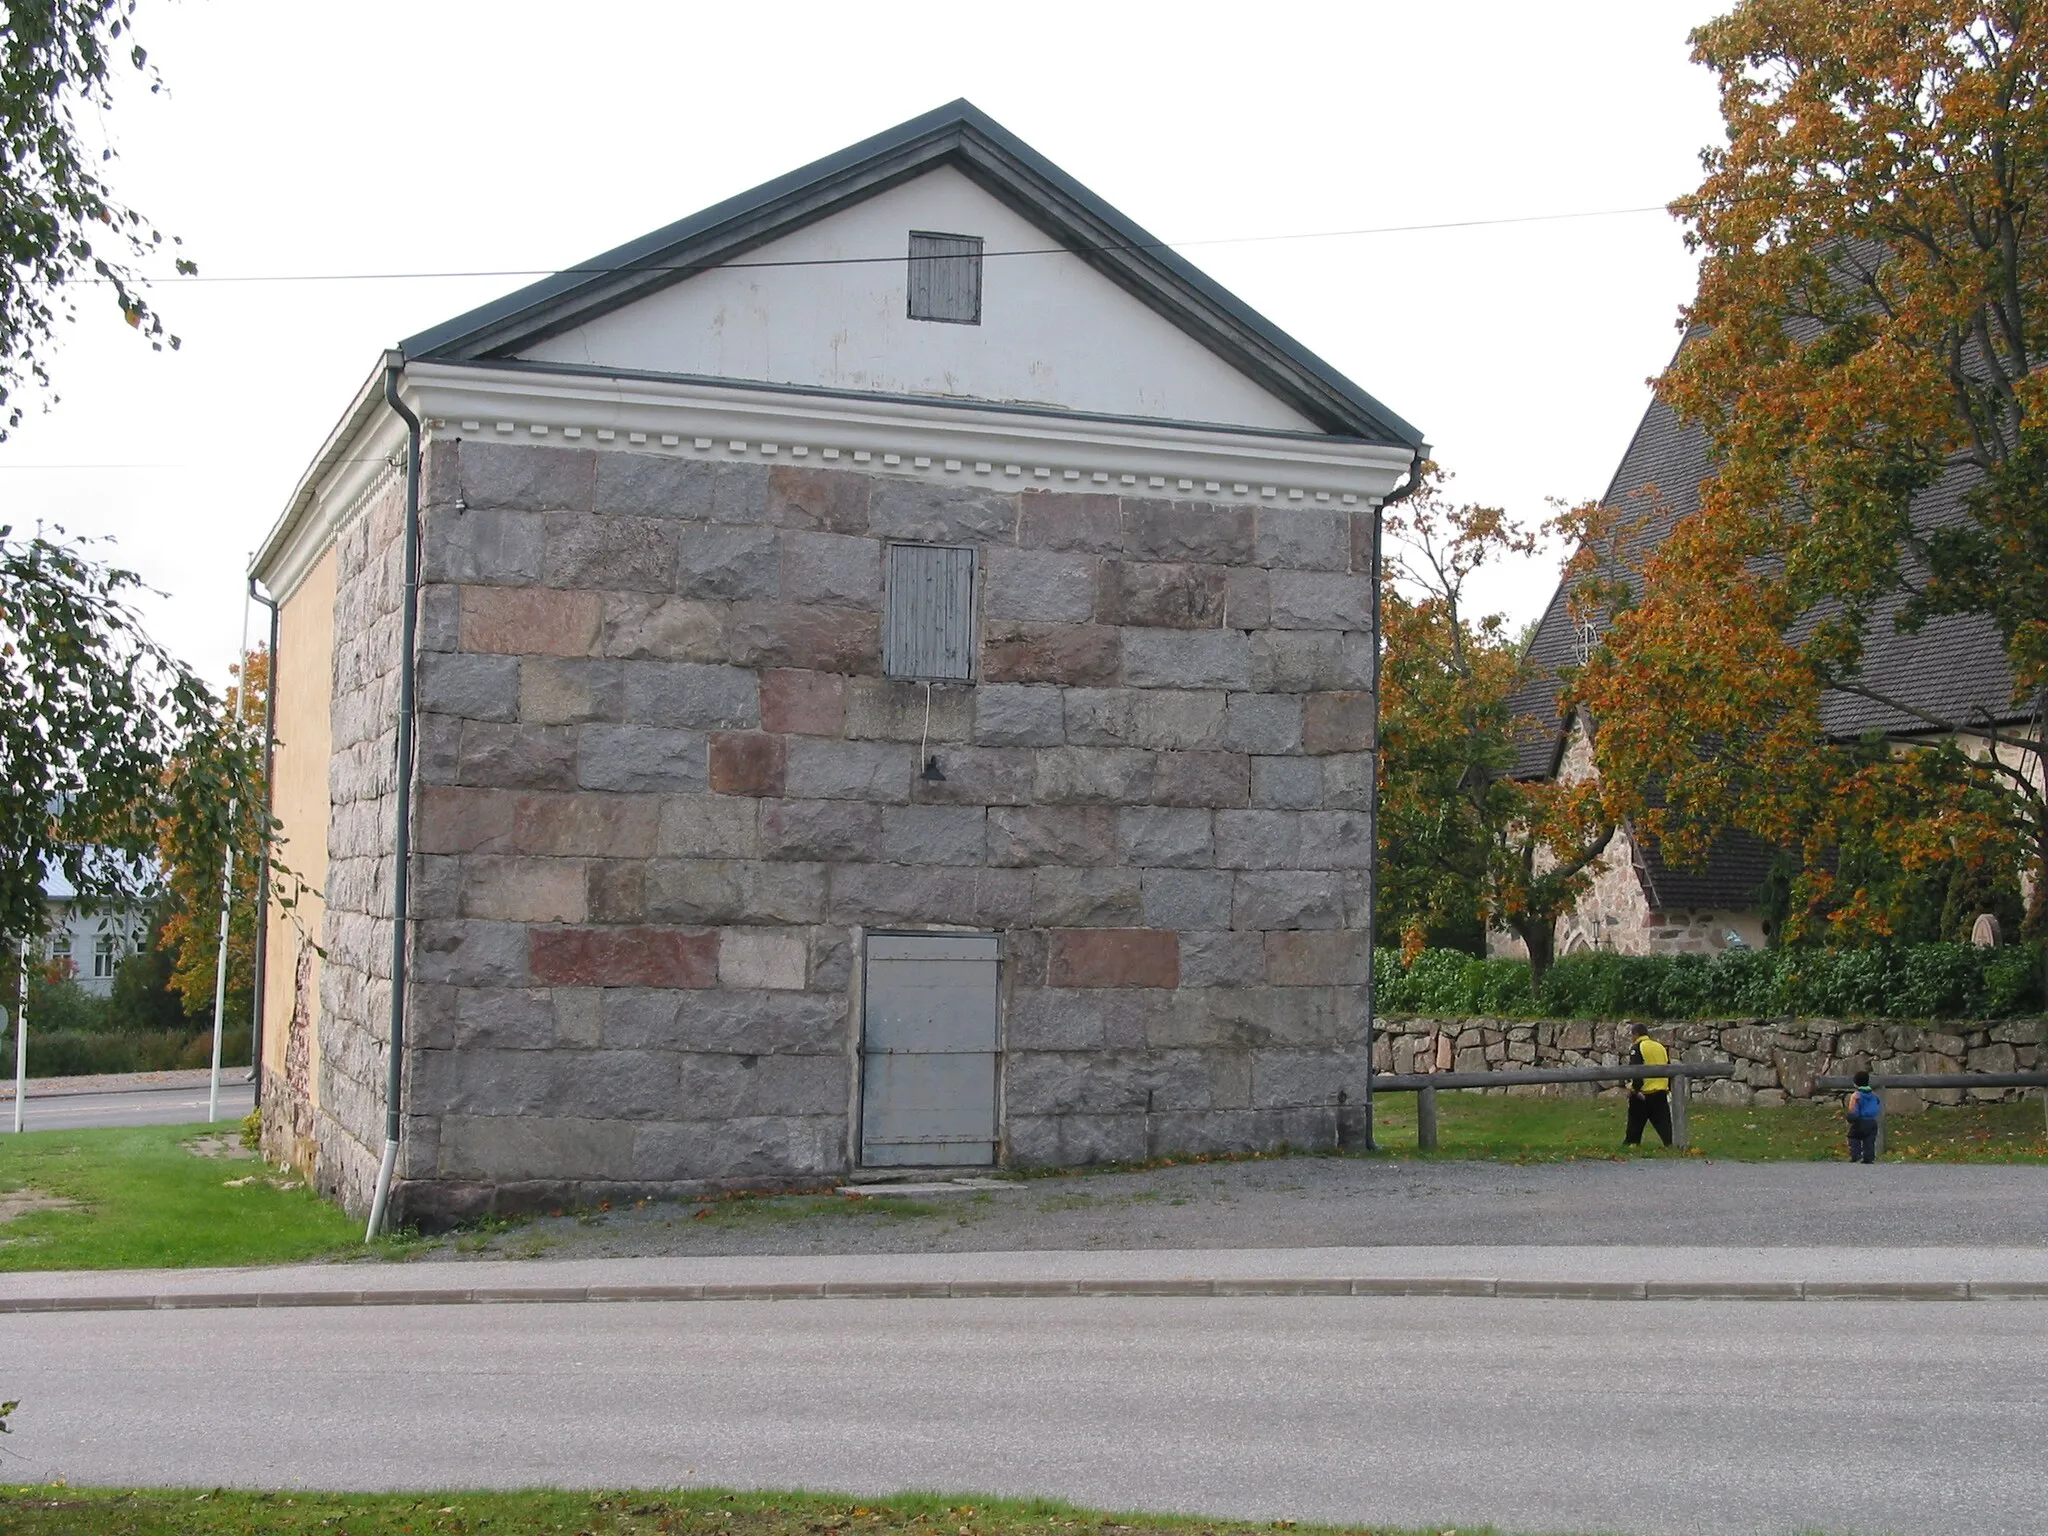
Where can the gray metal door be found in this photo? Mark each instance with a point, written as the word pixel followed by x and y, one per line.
pixel 928 1051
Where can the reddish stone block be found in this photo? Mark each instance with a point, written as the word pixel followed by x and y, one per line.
pixel 622 957
pixel 1077 655
pixel 529 621
pixel 1315 958
pixel 1169 596
pixel 805 636
pixel 1082 522
pixel 803 703
pixel 1113 957
pixel 463 820
pixel 746 763
pixel 1202 778
pixel 1337 722
pixel 827 500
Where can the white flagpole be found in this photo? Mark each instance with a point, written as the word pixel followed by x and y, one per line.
pixel 21 1040
pixel 227 878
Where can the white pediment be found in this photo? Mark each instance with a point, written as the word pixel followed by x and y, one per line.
pixel 816 309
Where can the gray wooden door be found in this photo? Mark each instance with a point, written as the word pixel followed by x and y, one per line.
pixel 928 1051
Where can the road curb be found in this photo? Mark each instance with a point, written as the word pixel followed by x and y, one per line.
pixel 896 1290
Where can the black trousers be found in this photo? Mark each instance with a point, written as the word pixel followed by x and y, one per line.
pixel 1648 1109
pixel 1862 1141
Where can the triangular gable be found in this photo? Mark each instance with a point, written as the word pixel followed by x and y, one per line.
pixel 1115 325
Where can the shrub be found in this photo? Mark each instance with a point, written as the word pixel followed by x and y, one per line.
pixel 62 1005
pixel 1919 981
pixel 90 1053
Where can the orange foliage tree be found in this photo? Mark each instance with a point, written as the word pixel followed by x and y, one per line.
pixel 1870 319
pixel 1461 845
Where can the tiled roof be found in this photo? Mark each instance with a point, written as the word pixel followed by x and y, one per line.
pixel 1954 667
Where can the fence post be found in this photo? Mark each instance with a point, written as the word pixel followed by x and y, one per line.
pixel 1680 1136
pixel 1425 1119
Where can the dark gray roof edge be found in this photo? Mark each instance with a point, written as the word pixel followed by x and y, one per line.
pixel 1110 241
pixel 951 402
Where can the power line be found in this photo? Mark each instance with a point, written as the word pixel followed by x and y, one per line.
pixel 854 261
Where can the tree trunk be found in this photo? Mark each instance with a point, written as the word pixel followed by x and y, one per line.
pixel 1539 937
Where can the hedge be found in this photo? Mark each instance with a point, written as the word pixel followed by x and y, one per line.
pixel 1920 981
pixel 88 1053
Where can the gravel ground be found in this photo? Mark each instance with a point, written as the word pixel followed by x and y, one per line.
pixel 1318 1202
pixel 122 1082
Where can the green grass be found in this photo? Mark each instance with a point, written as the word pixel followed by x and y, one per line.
pixel 1522 1129
pixel 63 1511
pixel 143 1201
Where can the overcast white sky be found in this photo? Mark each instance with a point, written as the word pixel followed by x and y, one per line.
pixel 432 136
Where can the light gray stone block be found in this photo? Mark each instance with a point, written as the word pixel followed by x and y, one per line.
pixel 934 834
pixel 489 548
pixel 503 1148
pixel 1085 898
pixel 1347 781
pixel 690 694
pixel 1290 898
pixel 460 953
pixel 821 830
pixel 1150 836
pixel 1015 715
pixel 518 1018
pixel 1092 775
pixel 832 568
pixel 1288 783
pixel 1191 899
pixel 1066 1141
pixel 723 1019
pixel 895 709
pixel 1026 836
pixel 1101 717
pixel 1222 958
pixel 1321 600
pixel 1309 661
pixel 1336 840
pixel 1174 720
pixel 1304 538
pixel 638 626
pixel 649 485
pixel 977 776
pixel 820 769
pixel 1258 839
pixel 615 554
pixel 640 759
pixel 570 691
pixel 1038 585
pixel 762 959
pixel 939 514
pixel 475 687
pixel 730 561
pixel 709 827
pixel 1266 724
pixel 753 1147
pixel 529 477
pixel 1178 658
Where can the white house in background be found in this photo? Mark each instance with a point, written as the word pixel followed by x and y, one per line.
pixel 93 941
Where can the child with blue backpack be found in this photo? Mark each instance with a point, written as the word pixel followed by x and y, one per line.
pixel 1863 1109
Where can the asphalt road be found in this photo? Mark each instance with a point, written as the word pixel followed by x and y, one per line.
pixel 151 1106
pixel 1534 1415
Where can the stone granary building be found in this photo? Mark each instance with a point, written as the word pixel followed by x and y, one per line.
pixel 892 662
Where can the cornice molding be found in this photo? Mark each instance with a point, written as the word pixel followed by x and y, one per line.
pixel 733 421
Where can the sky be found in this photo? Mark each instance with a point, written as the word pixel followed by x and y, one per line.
pixel 301 141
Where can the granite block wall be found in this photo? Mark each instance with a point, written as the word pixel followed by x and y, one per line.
pixel 663 788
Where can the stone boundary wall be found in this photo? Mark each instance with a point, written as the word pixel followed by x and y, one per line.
pixel 1776 1060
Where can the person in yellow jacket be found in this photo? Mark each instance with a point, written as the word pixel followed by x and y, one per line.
pixel 1649 1101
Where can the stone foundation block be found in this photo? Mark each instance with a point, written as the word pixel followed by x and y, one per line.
pixel 764 961
pixel 1039 585
pixel 1085 898
pixel 492 1147
pixel 1321 600
pixel 1308 661
pixel 803 703
pixel 515 756
pixel 821 500
pixel 639 627
pixel 463 953
pixel 474 687
pixel 1163 837
pixel 1075 654
pixel 1113 957
pixel 753 1147
pixel 707 827
pixel 1288 899
pixel 1071 1141
pixel 1189 530
pixel 1304 538
pixel 528 621
pixel 895 709
pixel 1170 596
pixel 1315 959
pixel 822 830
pixel 721 1019
pixel 594 826
pixel 1167 658
pixel 1220 958
pixel 523 890
pixel 568 692
pixel 640 759
pixel 832 569
pixel 1218 779
pixel 622 957
pixel 805 636
pixel 846 770
pixel 1287 783
pixel 1337 722
pixel 941 514
pixel 1092 775
pixel 747 763
pixel 1080 522
pixel 505 548
pixel 1025 836
pixel 692 695
pixel 1012 715
pixel 729 561
pixel 934 834
pixel 611 554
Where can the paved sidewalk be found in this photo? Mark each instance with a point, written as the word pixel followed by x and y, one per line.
pixel 121 1082
pixel 1603 1273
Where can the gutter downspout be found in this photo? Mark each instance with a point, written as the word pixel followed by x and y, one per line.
pixel 1372 789
pixel 394 364
pixel 262 967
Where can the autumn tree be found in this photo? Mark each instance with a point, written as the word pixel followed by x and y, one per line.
pixel 214 809
pixel 1869 325
pixel 92 715
pixel 1463 846
pixel 62 228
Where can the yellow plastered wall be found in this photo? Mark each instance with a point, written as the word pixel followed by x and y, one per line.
pixel 305 681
